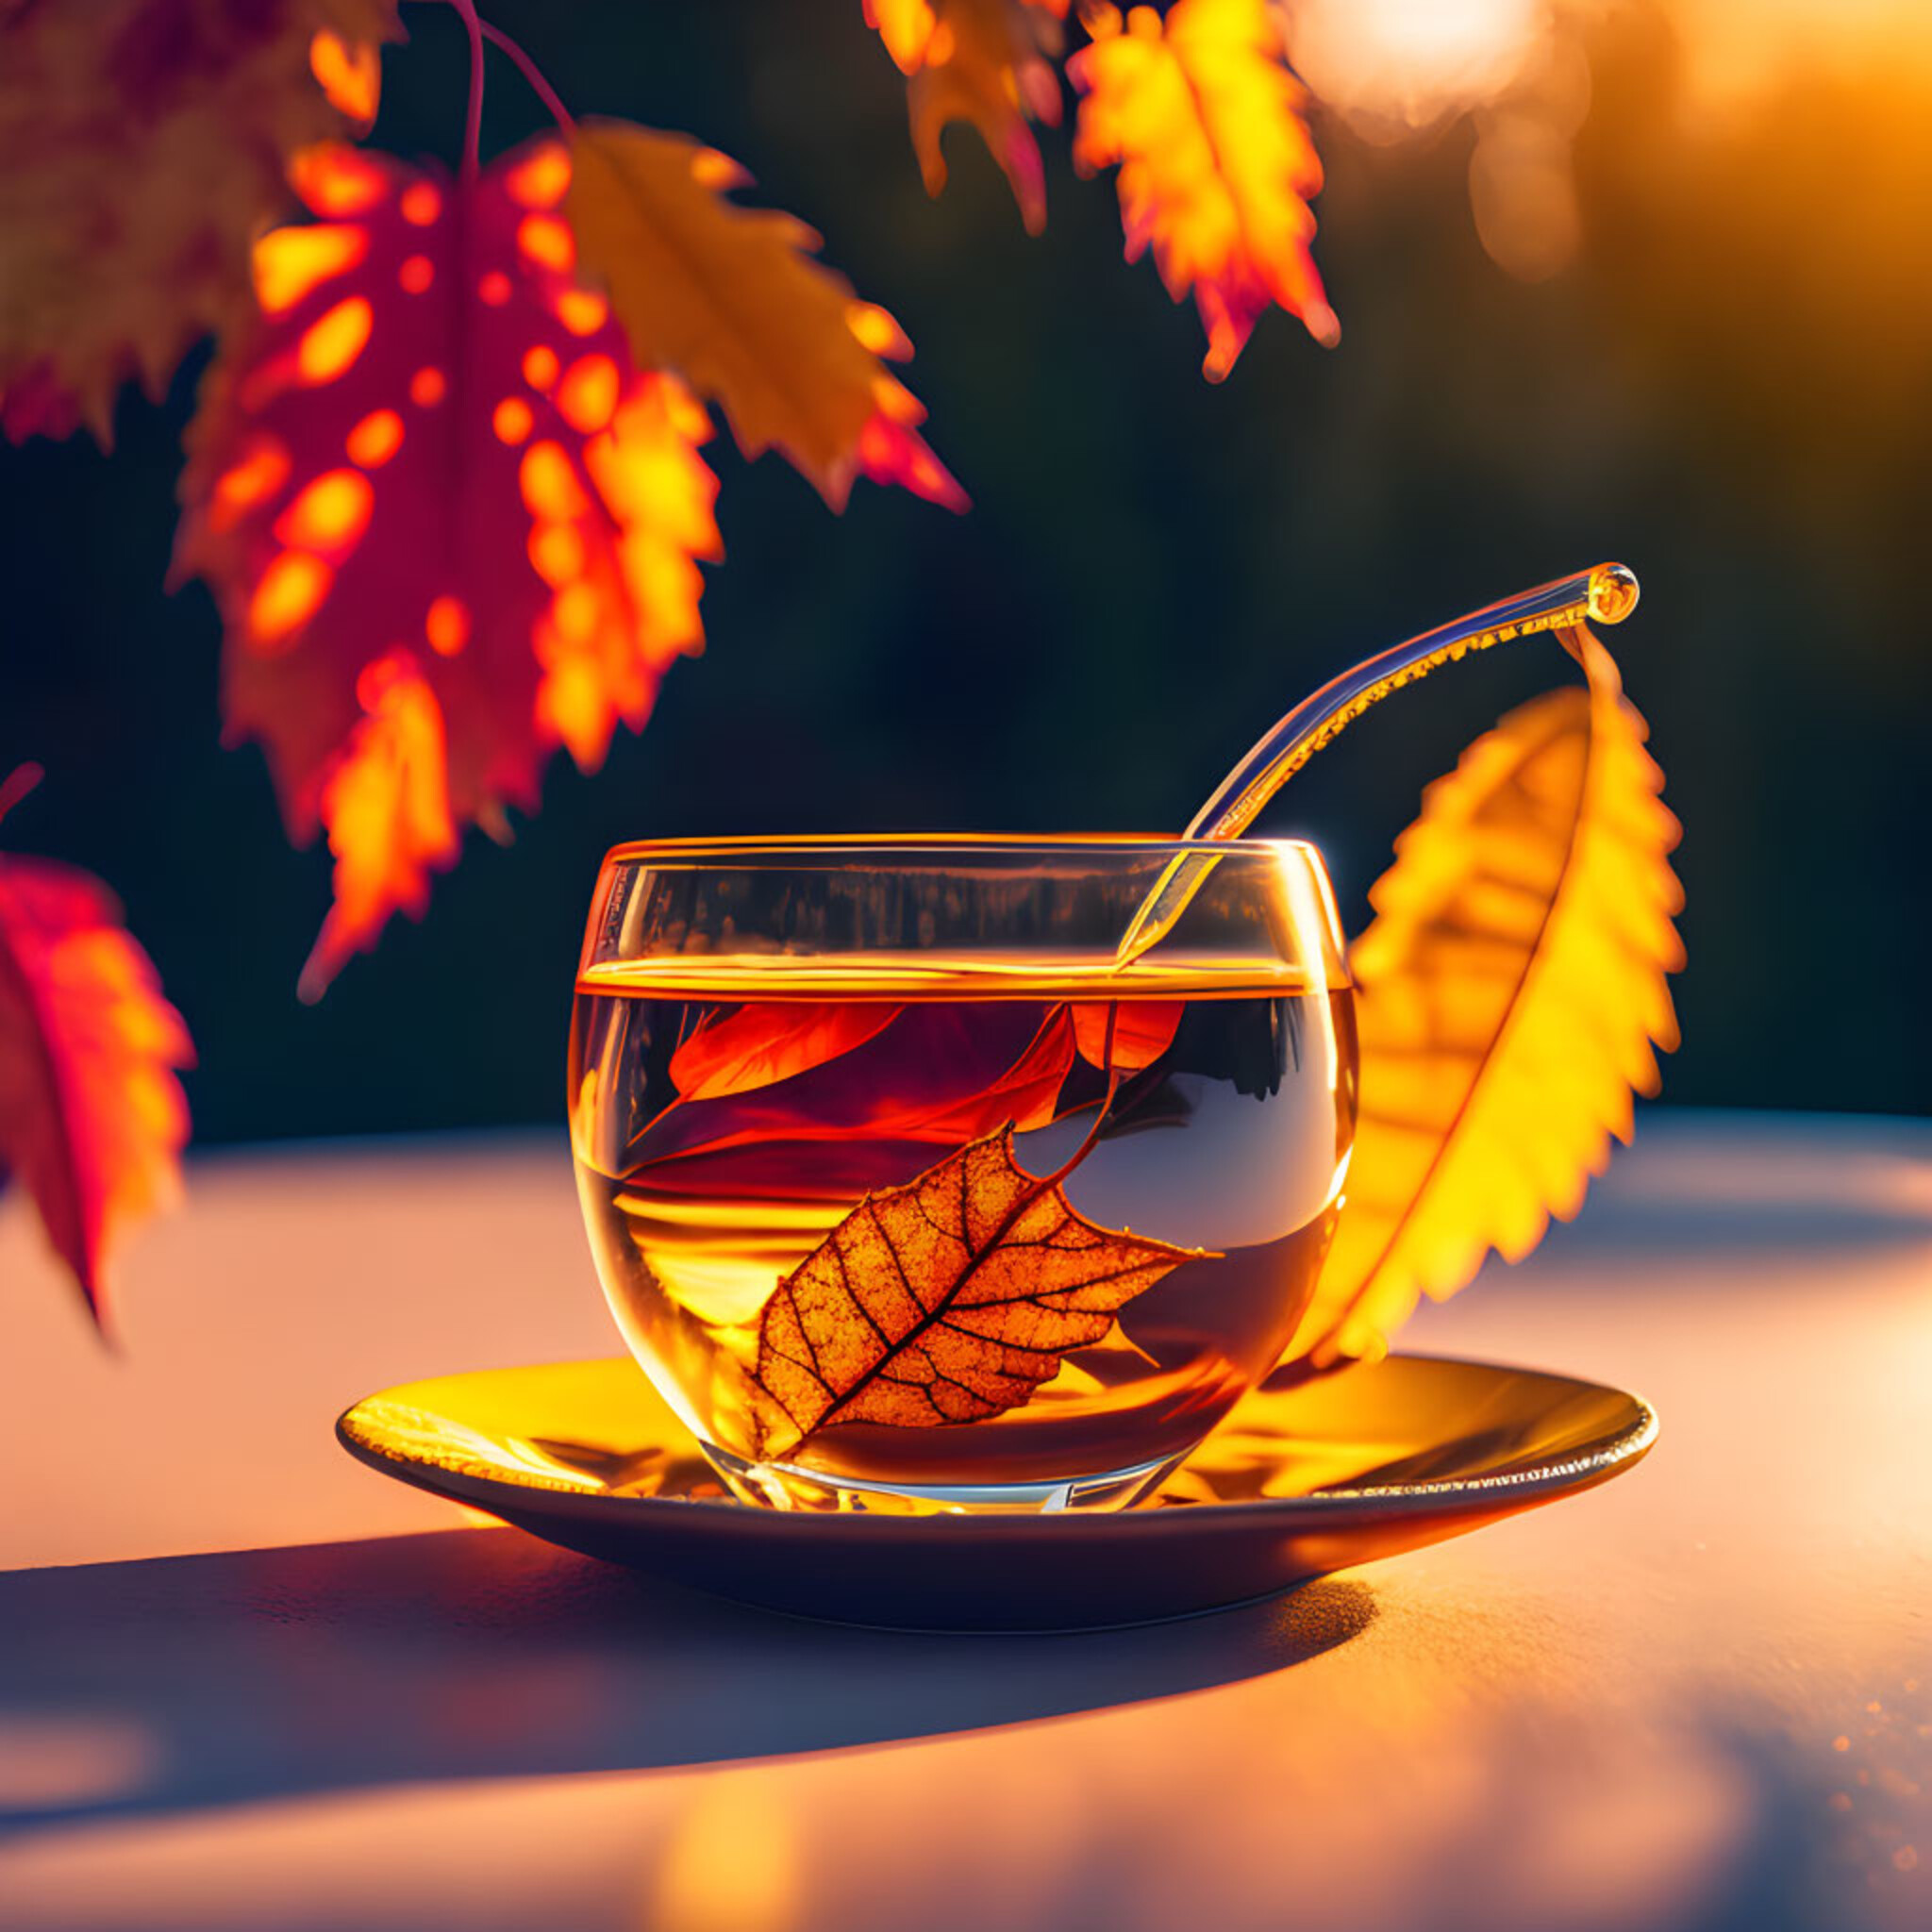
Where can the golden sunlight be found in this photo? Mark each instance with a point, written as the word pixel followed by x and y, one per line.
pixel 1394 65
pixel 1519 69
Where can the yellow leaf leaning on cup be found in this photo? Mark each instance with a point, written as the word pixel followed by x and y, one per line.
pixel 1510 993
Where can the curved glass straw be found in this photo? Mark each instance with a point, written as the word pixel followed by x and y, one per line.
pixel 1608 593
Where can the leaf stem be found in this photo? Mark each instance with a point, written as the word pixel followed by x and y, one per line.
pixel 473 118
pixel 1113 1085
pixel 17 784
pixel 532 75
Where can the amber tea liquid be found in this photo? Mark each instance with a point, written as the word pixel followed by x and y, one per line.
pixel 719 1142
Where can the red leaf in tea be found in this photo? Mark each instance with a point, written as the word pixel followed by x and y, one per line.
pixel 1025 1094
pixel 933 1076
pixel 765 1042
pixel 1142 1031
pixel 948 1300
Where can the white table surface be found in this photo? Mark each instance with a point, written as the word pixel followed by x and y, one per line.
pixel 246 1684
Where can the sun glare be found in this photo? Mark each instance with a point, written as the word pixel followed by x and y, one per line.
pixel 1393 65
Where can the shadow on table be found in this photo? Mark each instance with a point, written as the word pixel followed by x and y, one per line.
pixel 197 1680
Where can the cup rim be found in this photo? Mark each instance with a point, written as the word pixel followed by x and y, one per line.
pixel 1140 844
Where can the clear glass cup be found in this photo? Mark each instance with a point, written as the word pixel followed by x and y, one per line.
pixel 907 1195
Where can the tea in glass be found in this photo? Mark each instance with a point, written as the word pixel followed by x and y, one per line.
pixel 907 1194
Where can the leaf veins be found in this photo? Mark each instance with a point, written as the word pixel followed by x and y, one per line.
pixel 1510 996
pixel 731 298
pixel 947 1300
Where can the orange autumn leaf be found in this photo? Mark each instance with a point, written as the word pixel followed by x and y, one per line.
pixel 386 804
pixel 450 523
pixel 989 63
pixel 765 1042
pixel 906 28
pixel 349 73
pixel 731 299
pixel 947 1300
pixel 1142 1031
pixel 142 145
pixel 927 1075
pixel 1025 1093
pixel 1203 119
pixel 1509 995
pixel 91 1117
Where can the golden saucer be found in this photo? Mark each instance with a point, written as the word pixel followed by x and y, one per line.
pixel 1297 1482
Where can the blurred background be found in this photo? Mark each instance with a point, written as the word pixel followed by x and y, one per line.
pixel 1648 280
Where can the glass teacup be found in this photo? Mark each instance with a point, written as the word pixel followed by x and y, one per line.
pixel 907 1195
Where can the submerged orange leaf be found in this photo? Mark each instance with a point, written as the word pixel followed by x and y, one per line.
pixel 730 298
pixel 765 1042
pixel 1125 1036
pixel 1509 994
pixel 923 1076
pixel 986 61
pixel 948 1300
pixel 143 144
pixel 451 524
pixel 91 1117
pixel 1216 167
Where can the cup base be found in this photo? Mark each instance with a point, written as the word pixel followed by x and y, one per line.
pixel 786 1486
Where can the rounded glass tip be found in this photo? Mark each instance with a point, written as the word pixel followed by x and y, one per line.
pixel 1613 593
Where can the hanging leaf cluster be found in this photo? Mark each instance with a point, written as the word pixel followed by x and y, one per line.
pixel 447 482
pixel 448 486
pixel 1195 107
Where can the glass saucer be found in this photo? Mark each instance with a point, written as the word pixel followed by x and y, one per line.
pixel 1297 1482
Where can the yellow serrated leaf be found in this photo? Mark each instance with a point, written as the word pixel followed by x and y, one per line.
pixel 731 300
pixel 1510 995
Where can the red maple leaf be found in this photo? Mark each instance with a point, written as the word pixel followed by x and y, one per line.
pixel 451 524
pixel 91 1117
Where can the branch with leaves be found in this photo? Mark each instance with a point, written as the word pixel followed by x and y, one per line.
pixel 1197 109
pixel 447 479
pixel 447 483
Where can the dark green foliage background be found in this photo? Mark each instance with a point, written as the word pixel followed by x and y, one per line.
pixel 1731 391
